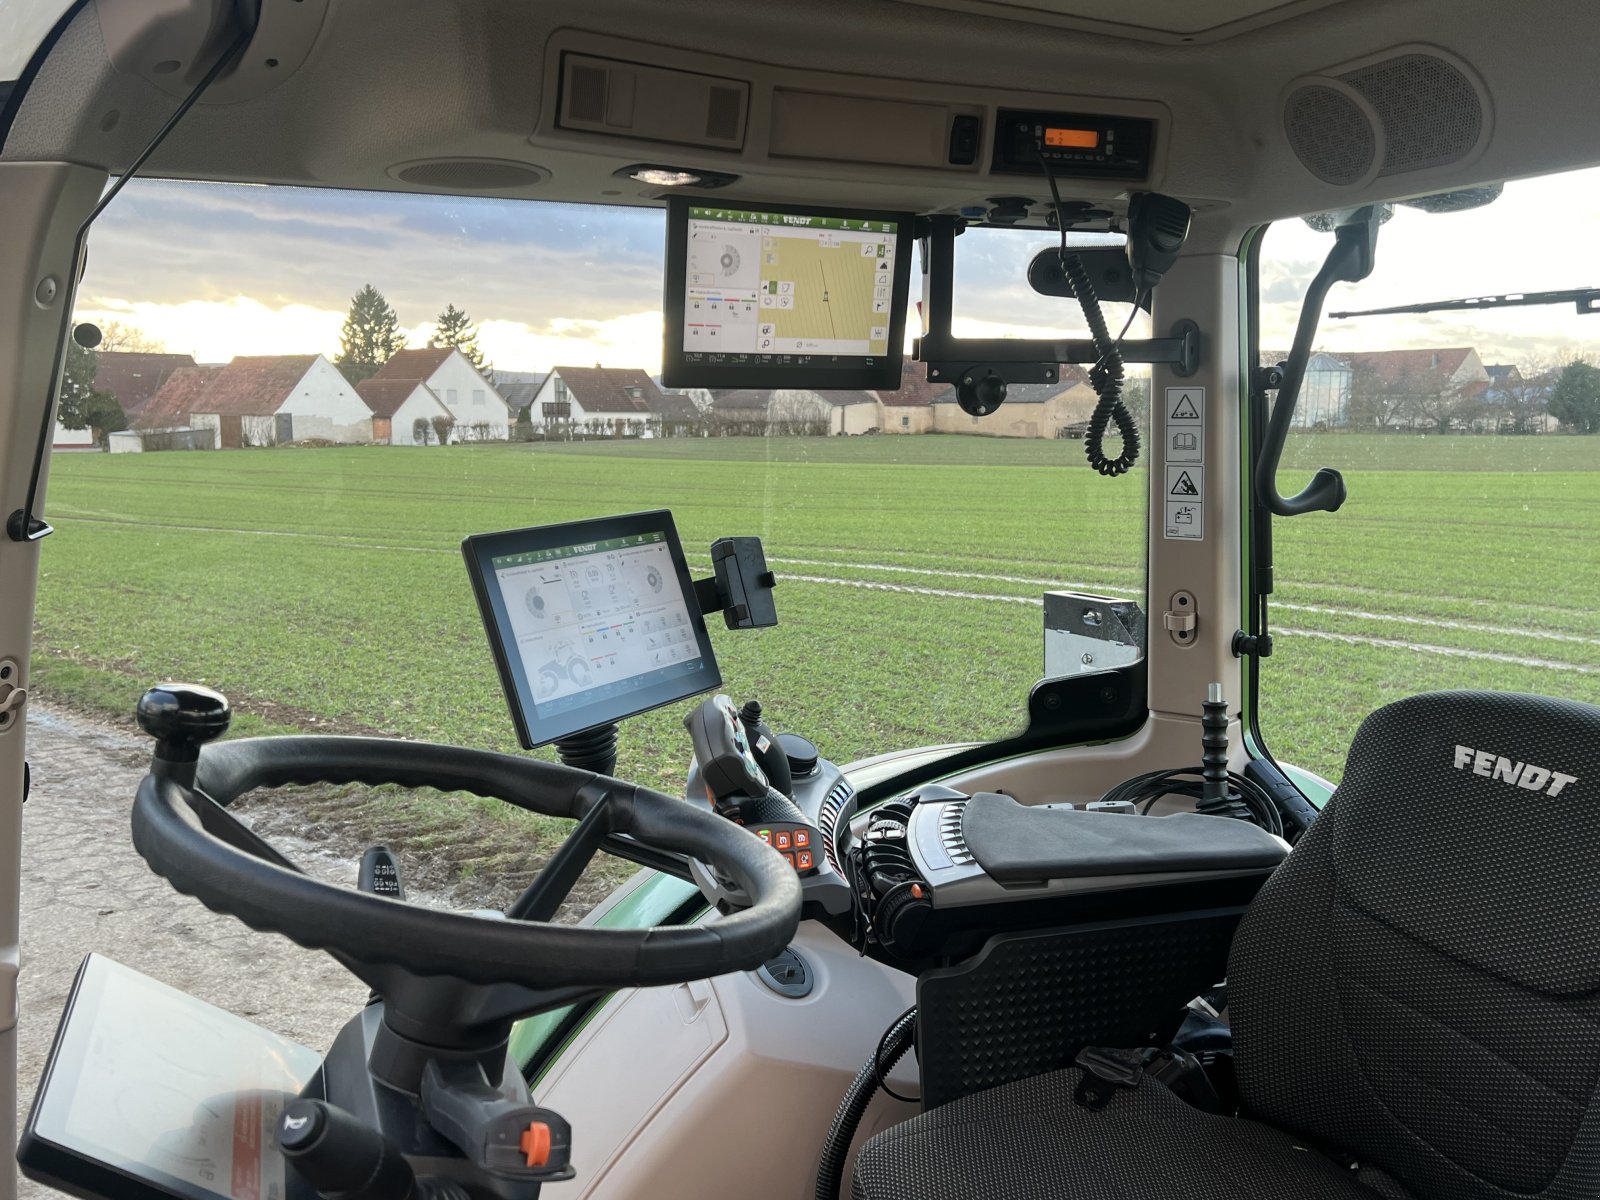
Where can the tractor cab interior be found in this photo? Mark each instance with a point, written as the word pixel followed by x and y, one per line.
pixel 992 927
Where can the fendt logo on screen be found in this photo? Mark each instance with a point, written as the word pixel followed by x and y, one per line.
pixel 1506 770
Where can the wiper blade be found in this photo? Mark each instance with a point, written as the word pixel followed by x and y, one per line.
pixel 1583 298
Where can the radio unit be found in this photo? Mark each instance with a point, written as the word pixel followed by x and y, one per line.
pixel 1075 145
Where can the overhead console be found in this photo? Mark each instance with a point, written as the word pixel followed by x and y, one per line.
pixel 661 105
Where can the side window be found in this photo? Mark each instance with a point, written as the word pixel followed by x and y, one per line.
pixel 478 396
pixel 1467 554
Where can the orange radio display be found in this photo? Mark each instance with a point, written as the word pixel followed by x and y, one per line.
pixel 1076 139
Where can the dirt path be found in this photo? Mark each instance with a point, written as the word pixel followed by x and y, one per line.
pixel 84 889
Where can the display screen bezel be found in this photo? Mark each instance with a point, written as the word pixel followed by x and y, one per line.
pixel 533 728
pixel 843 373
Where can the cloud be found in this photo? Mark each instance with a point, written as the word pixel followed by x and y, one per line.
pixel 224 269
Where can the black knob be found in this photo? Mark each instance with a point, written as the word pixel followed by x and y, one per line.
pixel 182 717
pixel 339 1156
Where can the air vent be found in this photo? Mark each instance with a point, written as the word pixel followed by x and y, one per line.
pixel 1334 133
pixel 828 819
pixel 469 174
pixel 1431 111
pixel 586 93
pixel 955 842
pixel 652 104
pixel 724 112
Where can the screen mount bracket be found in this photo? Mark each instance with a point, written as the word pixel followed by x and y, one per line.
pixel 1017 360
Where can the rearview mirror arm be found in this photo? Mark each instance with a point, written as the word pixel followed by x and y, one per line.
pixel 1350 260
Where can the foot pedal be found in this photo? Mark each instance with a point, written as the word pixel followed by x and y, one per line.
pixel 380 874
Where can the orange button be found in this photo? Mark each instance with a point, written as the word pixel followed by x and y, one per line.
pixel 802 860
pixel 802 838
pixel 789 858
pixel 781 840
pixel 535 1144
pixel 765 835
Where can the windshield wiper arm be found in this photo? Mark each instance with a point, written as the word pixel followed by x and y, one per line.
pixel 1584 298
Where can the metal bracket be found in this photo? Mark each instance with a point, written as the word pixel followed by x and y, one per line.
pixel 13 696
pixel 1182 618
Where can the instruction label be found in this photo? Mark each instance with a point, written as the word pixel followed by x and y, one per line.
pixel 1183 444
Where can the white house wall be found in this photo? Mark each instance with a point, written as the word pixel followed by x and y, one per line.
pixel 469 397
pixel 323 405
pixel 418 404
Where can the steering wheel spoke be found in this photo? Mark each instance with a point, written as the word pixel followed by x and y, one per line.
pixel 227 828
pixel 554 883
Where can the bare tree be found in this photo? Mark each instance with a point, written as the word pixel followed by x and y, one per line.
pixel 1524 394
pixel 797 413
pixel 421 431
pixel 442 426
pixel 116 336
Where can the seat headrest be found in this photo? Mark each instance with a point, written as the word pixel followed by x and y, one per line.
pixel 1471 821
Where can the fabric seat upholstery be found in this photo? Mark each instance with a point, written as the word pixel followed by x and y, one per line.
pixel 1416 990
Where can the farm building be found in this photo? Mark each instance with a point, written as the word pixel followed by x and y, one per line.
pixel 263 400
pixel 479 411
pixel 132 378
pixel 1031 410
pixel 397 406
pixel 617 400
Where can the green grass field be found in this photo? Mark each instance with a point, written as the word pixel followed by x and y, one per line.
pixel 326 587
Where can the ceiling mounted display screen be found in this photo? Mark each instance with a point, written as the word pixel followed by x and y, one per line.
pixel 775 296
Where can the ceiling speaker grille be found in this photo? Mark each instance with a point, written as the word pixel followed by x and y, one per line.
pixel 470 174
pixel 1431 112
pixel 1331 134
pixel 724 108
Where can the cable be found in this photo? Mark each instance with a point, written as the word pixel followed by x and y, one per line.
pixel 1247 800
pixel 881 1069
pixel 1107 373
pixel 836 1146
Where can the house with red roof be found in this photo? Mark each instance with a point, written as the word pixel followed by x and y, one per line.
pixel 619 401
pixel 405 412
pixel 262 400
pixel 479 411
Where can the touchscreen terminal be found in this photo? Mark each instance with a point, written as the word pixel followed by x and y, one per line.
pixel 150 1092
pixel 590 622
pixel 769 296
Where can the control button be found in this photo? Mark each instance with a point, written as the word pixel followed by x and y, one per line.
pixel 917 892
pixel 765 835
pixel 535 1144
pixel 782 840
pixel 802 838
pixel 789 858
pixel 802 860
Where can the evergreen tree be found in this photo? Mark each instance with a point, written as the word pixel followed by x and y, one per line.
pixel 1575 401
pixel 82 405
pixel 370 336
pixel 454 328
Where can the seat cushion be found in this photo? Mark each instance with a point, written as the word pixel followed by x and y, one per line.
pixel 1031 1140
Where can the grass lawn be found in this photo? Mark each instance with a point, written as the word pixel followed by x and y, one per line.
pixel 324 588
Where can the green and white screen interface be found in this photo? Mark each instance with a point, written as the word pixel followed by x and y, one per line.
pixel 785 288
pixel 594 622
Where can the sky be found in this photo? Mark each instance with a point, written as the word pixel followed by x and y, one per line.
pixel 218 270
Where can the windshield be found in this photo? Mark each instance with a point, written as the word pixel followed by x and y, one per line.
pixel 1465 555
pixel 310 397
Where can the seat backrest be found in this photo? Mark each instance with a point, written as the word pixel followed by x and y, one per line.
pixel 1418 986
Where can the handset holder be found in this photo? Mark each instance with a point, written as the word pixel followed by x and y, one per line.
pixel 1350 261
pixel 741 589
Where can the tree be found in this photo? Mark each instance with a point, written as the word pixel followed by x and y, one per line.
pixel 370 336
pixel 1375 401
pixel 454 328
pixel 442 426
pixel 1522 395
pixel 82 405
pixel 114 335
pixel 1575 400
pixel 421 431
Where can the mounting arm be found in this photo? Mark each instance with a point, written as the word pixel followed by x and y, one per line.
pixel 1350 260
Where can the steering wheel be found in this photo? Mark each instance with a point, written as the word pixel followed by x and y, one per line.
pixel 183 830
